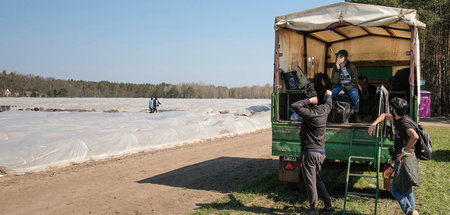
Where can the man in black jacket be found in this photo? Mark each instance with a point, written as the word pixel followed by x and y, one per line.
pixel 312 142
pixel 405 161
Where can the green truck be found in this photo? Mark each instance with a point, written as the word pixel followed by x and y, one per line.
pixel 380 41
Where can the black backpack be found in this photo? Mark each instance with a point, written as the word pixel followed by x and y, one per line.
pixel 340 113
pixel 363 82
pixel 290 80
pixel 423 145
pixel 424 148
pixel 322 82
pixel 400 81
pixel 294 81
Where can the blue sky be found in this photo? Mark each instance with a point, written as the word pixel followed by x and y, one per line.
pixel 228 42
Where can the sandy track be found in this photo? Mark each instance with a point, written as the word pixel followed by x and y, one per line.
pixel 171 181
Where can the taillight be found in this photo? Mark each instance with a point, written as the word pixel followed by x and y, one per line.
pixel 289 166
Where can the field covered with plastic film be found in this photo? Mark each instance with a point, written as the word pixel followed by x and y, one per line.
pixel 65 131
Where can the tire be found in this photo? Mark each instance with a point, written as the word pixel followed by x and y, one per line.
pixel 293 185
pixel 296 185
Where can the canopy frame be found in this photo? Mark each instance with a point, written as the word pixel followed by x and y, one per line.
pixel 404 27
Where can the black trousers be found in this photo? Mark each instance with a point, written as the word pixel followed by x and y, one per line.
pixel 311 165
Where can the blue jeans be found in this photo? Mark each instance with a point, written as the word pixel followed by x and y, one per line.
pixel 352 93
pixel 406 201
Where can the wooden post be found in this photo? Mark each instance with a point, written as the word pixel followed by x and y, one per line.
pixel 277 61
pixel 276 84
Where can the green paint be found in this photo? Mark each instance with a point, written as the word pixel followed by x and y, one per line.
pixel 286 142
pixel 379 72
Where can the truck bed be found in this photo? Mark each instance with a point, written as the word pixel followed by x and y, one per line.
pixel 286 141
pixel 334 125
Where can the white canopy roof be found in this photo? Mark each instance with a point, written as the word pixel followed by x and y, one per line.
pixel 344 12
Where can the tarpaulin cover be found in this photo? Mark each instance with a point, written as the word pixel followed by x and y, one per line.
pixel 355 14
pixel 39 140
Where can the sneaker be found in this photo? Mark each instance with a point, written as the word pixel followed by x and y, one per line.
pixel 355 118
pixel 328 209
pixel 313 212
pixel 414 212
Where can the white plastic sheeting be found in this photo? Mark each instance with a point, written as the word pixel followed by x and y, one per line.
pixel 37 140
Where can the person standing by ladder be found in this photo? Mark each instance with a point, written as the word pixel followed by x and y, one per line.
pixel 312 141
pixel 405 161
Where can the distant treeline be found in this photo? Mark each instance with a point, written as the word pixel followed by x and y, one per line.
pixel 36 86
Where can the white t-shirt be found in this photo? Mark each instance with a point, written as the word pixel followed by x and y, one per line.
pixel 346 78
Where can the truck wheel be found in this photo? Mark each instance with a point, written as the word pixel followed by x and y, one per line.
pixel 293 185
pixel 296 185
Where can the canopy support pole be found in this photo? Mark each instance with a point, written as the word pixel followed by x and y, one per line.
pixel 276 65
pixel 412 99
pixel 418 69
pixel 305 54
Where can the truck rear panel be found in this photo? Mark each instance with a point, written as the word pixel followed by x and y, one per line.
pixel 286 141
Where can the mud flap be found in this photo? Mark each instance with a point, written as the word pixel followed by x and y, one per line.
pixel 288 170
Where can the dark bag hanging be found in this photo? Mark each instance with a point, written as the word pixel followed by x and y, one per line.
pixel 423 147
pixel 340 113
pixel 290 80
pixel 322 82
pixel 363 83
pixel 295 82
pixel 304 83
pixel 400 81
pixel 307 93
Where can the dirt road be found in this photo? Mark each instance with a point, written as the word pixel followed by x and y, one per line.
pixel 170 181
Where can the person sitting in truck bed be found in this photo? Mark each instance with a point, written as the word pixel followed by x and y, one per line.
pixel 312 142
pixel 345 81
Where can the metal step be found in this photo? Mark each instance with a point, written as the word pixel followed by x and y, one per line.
pixel 375 160
pixel 364 141
pixel 362 158
pixel 362 194
pixel 356 213
pixel 362 175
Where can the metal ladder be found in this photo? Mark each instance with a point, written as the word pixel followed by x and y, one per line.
pixel 375 159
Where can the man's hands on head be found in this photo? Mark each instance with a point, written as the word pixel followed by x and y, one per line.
pixel 313 100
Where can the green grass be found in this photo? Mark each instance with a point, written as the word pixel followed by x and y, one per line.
pixel 267 195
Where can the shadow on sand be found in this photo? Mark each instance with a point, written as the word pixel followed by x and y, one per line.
pixel 229 174
pixel 224 174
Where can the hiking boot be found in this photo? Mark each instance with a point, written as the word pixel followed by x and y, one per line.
pixel 328 209
pixel 313 212
pixel 355 118
pixel 414 212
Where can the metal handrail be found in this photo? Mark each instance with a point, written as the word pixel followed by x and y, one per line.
pixel 377 159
